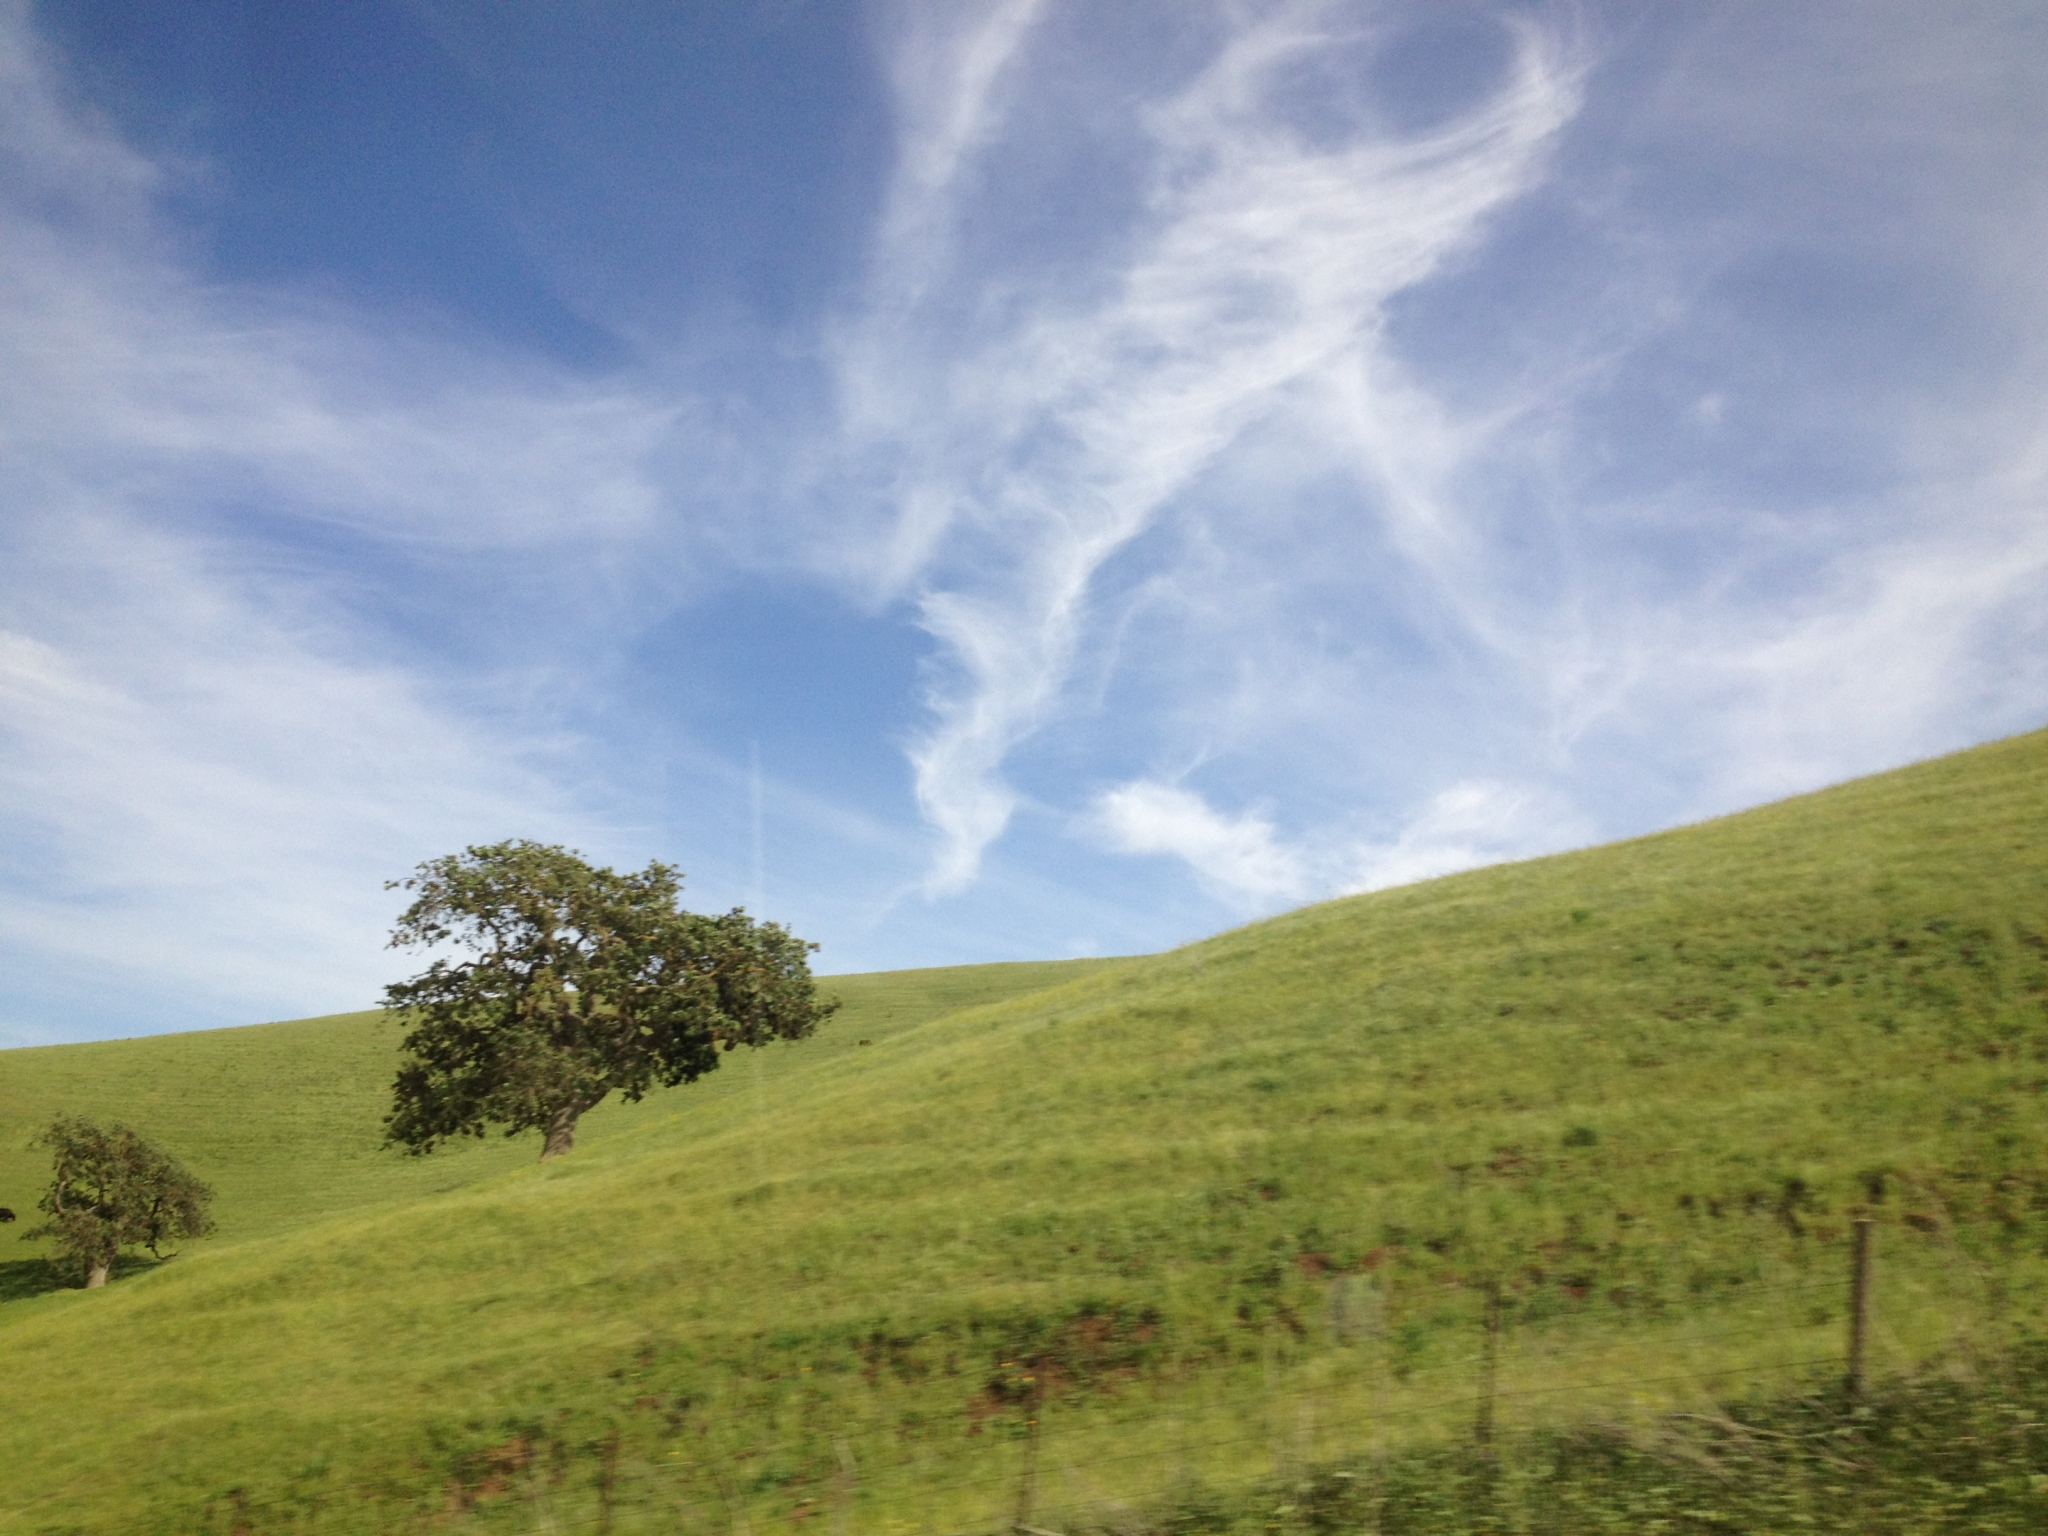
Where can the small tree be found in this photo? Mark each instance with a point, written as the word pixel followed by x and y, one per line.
pixel 579 982
pixel 114 1190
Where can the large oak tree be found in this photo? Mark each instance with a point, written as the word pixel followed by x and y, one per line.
pixel 574 982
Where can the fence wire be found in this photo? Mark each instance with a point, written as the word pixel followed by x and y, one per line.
pixel 1478 1397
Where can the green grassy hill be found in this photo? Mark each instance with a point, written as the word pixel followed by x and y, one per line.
pixel 285 1120
pixel 1197 1214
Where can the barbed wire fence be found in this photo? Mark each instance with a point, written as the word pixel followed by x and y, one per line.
pixel 1337 1439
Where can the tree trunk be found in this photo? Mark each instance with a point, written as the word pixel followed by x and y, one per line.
pixel 561 1131
pixel 97 1276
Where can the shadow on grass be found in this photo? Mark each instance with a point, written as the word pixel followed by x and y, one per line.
pixel 21 1279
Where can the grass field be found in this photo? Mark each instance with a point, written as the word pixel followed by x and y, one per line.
pixel 285 1120
pixel 1199 1215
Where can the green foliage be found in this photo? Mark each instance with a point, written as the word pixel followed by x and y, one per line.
pixel 579 982
pixel 110 1190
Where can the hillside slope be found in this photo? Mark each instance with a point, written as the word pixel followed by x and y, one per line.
pixel 285 1120
pixel 1636 1092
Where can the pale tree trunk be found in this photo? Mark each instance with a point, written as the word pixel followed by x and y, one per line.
pixel 561 1132
pixel 562 1129
pixel 97 1276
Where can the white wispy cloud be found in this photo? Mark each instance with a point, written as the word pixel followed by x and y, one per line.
pixel 1471 823
pixel 1394 544
pixel 1239 858
pixel 1259 266
pixel 213 757
pixel 1645 429
pixel 118 365
pixel 1246 862
pixel 76 170
pixel 948 69
pixel 207 809
pixel 1912 643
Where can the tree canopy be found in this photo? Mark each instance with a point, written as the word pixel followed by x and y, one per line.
pixel 111 1190
pixel 574 982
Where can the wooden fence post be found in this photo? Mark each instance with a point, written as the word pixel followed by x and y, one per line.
pixel 1489 1369
pixel 843 1486
pixel 607 1480
pixel 1027 1488
pixel 1859 1307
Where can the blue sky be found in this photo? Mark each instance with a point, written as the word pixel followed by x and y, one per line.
pixel 978 481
